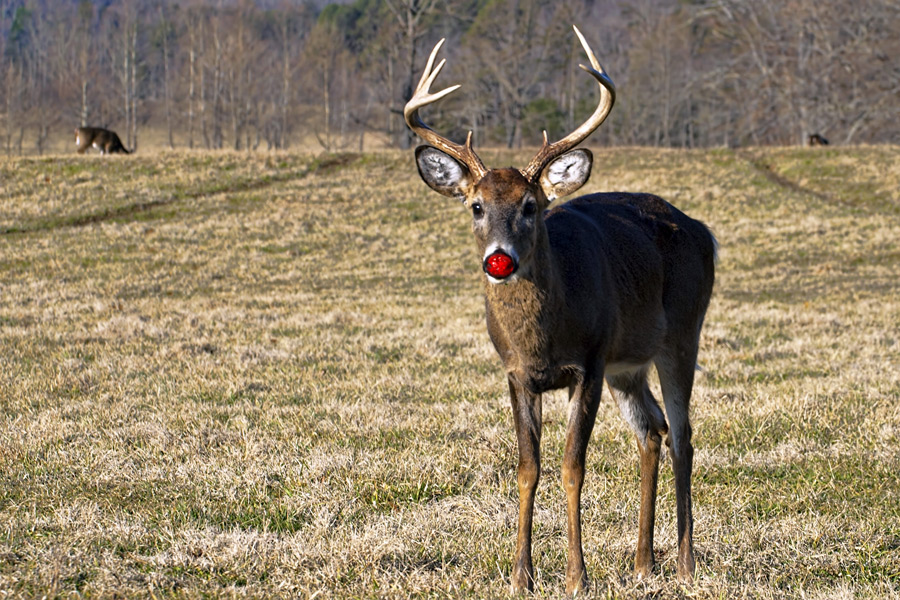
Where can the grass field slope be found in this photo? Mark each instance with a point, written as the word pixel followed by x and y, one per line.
pixel 267 375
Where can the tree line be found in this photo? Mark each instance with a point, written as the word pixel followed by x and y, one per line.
pixel 270 74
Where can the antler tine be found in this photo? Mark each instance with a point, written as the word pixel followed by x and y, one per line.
pixel 423 97
pixel 607 97
pixel 429 75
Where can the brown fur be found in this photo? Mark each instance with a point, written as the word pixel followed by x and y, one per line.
pixel 104 140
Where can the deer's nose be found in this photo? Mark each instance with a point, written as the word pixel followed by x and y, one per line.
pixel 500 265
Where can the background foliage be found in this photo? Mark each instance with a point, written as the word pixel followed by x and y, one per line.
pixel 270 74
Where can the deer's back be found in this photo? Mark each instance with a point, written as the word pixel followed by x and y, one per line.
pixel 641 256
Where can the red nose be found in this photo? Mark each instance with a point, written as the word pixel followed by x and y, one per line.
pixel 499 265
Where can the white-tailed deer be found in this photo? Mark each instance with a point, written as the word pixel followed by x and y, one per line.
pixel 603 286
pixel 104 140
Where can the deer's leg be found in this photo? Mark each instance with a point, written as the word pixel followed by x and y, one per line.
pixel 583 403
pixel 642 412
pixel 527 417
pixel 676 376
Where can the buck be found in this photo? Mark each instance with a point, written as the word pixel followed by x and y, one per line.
pixel 104 140
pixel 603 286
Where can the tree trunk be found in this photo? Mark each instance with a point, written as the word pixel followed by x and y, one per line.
pixel 217 93
pixel 391 95
pixel 327 102
pixel 134 141
pixel 232 101
pixel 10 86
pixel 126 79
pixel 191 93
pixel 84 106
pixel 166 79
pixel 203 116
pixel 285 88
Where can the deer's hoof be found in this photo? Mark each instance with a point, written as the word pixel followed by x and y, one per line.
pixel 643 572
pixel 686 568
pixel 577 582
pixel 522 581
pixel 643 565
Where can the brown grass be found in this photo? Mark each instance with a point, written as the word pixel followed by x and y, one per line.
pixel 268 375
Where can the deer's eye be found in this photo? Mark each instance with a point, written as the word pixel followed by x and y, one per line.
pixel 477 210
pixel 530 208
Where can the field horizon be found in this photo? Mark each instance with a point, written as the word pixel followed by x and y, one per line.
pixel 267 374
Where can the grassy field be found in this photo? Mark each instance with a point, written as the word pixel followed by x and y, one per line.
pixel 268 375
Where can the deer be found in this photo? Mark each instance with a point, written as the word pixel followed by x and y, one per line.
pixel 600 287
pixel 104 140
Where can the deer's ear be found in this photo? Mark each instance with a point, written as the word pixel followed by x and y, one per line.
pixel 566 173
pixel 443 173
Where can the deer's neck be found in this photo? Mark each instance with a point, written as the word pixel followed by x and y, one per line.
pixel 522 312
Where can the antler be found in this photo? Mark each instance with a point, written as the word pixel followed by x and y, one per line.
pixel 607 97
pixel 422 97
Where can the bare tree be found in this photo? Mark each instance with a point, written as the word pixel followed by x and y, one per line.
pixel 520 70
pixel 192 76
pixel 410 15
pixel 134 95
pixel 85 55
pixel 690 73
pixel 286 76
pixel 811 66
pixel 165 32
pixel 327 57
pixel 13 84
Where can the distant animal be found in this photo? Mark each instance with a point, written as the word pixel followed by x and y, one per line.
pixel 604 286
pixel 817 140
pixel 104 140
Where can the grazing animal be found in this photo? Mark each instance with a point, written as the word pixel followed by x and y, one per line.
pixel 104 140
pixel 603 286
pixel 817 140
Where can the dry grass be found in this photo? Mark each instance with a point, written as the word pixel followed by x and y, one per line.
pixel 268 375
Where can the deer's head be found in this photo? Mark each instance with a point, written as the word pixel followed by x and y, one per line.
pixel 507 204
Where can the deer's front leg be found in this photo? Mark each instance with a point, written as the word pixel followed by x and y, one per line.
pixel 527 416
pixel 583 403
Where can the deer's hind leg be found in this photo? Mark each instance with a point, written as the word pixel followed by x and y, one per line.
pixel 676 378
pixel 643 413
